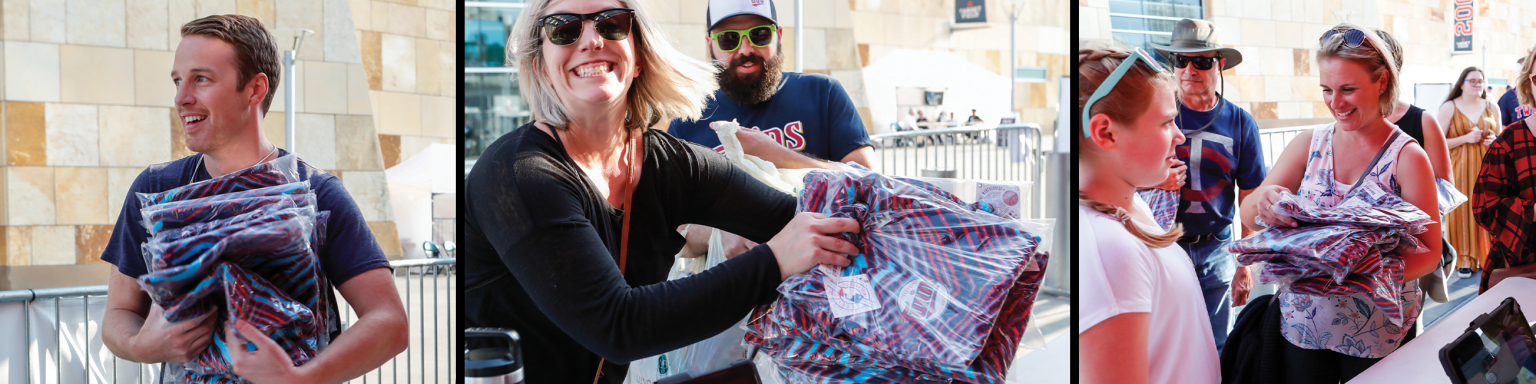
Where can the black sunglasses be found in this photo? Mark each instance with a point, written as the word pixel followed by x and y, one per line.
pixel 1201 63
pixel 566 28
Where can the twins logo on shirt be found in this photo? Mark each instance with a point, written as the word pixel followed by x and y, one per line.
pixel 1205 148
pixel 792 136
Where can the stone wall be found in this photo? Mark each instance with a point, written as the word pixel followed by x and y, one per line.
pixel 87 105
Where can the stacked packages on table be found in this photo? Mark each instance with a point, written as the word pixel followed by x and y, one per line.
pixel 243 245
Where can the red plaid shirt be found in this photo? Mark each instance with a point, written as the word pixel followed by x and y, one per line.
pixel 1502 198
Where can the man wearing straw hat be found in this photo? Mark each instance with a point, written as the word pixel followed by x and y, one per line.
pixel 1221 152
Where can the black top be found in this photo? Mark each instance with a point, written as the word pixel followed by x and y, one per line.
pixel 1413 123
pixel 541 253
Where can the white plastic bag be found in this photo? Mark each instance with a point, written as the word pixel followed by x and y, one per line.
pixel 710 354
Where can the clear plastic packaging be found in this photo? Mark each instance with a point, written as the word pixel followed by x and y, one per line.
pixel 937 282
pixel 176 214
pixel 244 245
pixel 282 170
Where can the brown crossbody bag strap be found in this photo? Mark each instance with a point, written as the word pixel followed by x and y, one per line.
pixel 638 143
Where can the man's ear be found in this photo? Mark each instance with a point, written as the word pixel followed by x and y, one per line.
pixel 1099 133
pixel 258 87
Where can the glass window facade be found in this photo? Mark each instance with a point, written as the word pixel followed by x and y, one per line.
pixel 492 105
pixel 1141 23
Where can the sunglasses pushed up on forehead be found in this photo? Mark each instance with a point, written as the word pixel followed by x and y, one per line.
pixel 566 28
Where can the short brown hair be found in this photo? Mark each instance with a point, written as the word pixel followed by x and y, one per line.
pixel 255 52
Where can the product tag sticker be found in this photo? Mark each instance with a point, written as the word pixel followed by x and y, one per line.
pixel 850 295
pixel 923 299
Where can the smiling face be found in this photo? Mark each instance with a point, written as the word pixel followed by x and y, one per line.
pixel 1352 94
pixel 592 72
pixel 213 107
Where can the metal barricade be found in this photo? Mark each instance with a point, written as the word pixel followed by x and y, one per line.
pixel 1011 152
pixel 984 152
pixel 428 290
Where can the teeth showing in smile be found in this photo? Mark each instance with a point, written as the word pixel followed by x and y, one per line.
pixel 592 70
pixel 194 119
pixel 1346 114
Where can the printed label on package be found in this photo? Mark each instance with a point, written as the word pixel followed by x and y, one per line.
pixel 851 295
pixel 922 299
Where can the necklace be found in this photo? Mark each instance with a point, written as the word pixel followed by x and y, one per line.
pixel 200 163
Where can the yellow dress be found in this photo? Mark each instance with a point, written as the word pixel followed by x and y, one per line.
pixel 1470 240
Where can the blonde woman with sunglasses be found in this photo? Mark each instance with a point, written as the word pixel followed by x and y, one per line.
pixel 570 219
pixel 1333 338
pixel 1142 318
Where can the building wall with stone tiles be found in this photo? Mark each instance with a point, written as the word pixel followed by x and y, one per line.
pixel 88 104
pixel 829 42
pixel 408 49
pixel 1042 38
pixel 1278 79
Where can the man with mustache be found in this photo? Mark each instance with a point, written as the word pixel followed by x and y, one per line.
pixel 1221 156
pixel 795 120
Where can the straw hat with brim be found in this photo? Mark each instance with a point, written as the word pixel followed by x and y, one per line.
pixel 1195 36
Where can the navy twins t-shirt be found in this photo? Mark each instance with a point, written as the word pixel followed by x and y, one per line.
pixel 810 114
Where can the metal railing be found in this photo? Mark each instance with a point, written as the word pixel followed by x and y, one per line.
pixel 1011 152
pixel 77 355
pixel 983 152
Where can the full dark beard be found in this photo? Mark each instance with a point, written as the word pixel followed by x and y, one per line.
pixel 752 88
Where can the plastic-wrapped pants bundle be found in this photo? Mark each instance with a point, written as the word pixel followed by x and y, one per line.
pixel 243 245
pixel 940 290
pixel 1351 248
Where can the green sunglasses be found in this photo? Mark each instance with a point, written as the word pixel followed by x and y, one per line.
pixel 1114 78
pixel 730 40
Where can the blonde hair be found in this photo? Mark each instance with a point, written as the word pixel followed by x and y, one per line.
pixel 1524 86
pixel 670 86
pixel 1377 56
pixel 1124 216
pixel 1127 101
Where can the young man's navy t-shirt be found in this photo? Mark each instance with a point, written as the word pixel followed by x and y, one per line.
pixel 1224 154
pixel 349 247
pixel 811 114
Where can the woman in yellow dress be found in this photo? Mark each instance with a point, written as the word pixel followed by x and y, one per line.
pixel 1471 123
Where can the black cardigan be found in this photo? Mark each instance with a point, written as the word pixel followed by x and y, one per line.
pixel 541 251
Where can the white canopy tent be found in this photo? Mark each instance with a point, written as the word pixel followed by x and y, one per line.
pixel 966 86
pixel 412 183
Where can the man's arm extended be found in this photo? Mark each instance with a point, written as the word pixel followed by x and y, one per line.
pixel 757 143
pixel 379 334
pixel 864 155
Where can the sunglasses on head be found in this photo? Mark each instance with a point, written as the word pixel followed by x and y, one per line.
pixel 1201 63
pixel 566 28
pixel 1114 78
pixel 1352 37
pixel 730 40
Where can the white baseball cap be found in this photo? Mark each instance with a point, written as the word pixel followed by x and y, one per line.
pixel 721 9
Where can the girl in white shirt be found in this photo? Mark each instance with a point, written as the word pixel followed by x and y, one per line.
pixel 1132 278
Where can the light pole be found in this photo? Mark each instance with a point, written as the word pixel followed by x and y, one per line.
pixel 288 92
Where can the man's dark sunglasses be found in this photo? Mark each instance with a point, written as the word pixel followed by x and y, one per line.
pixel 1201 63
pixel 566 28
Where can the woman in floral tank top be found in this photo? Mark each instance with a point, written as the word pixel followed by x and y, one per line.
pixel 1334 338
